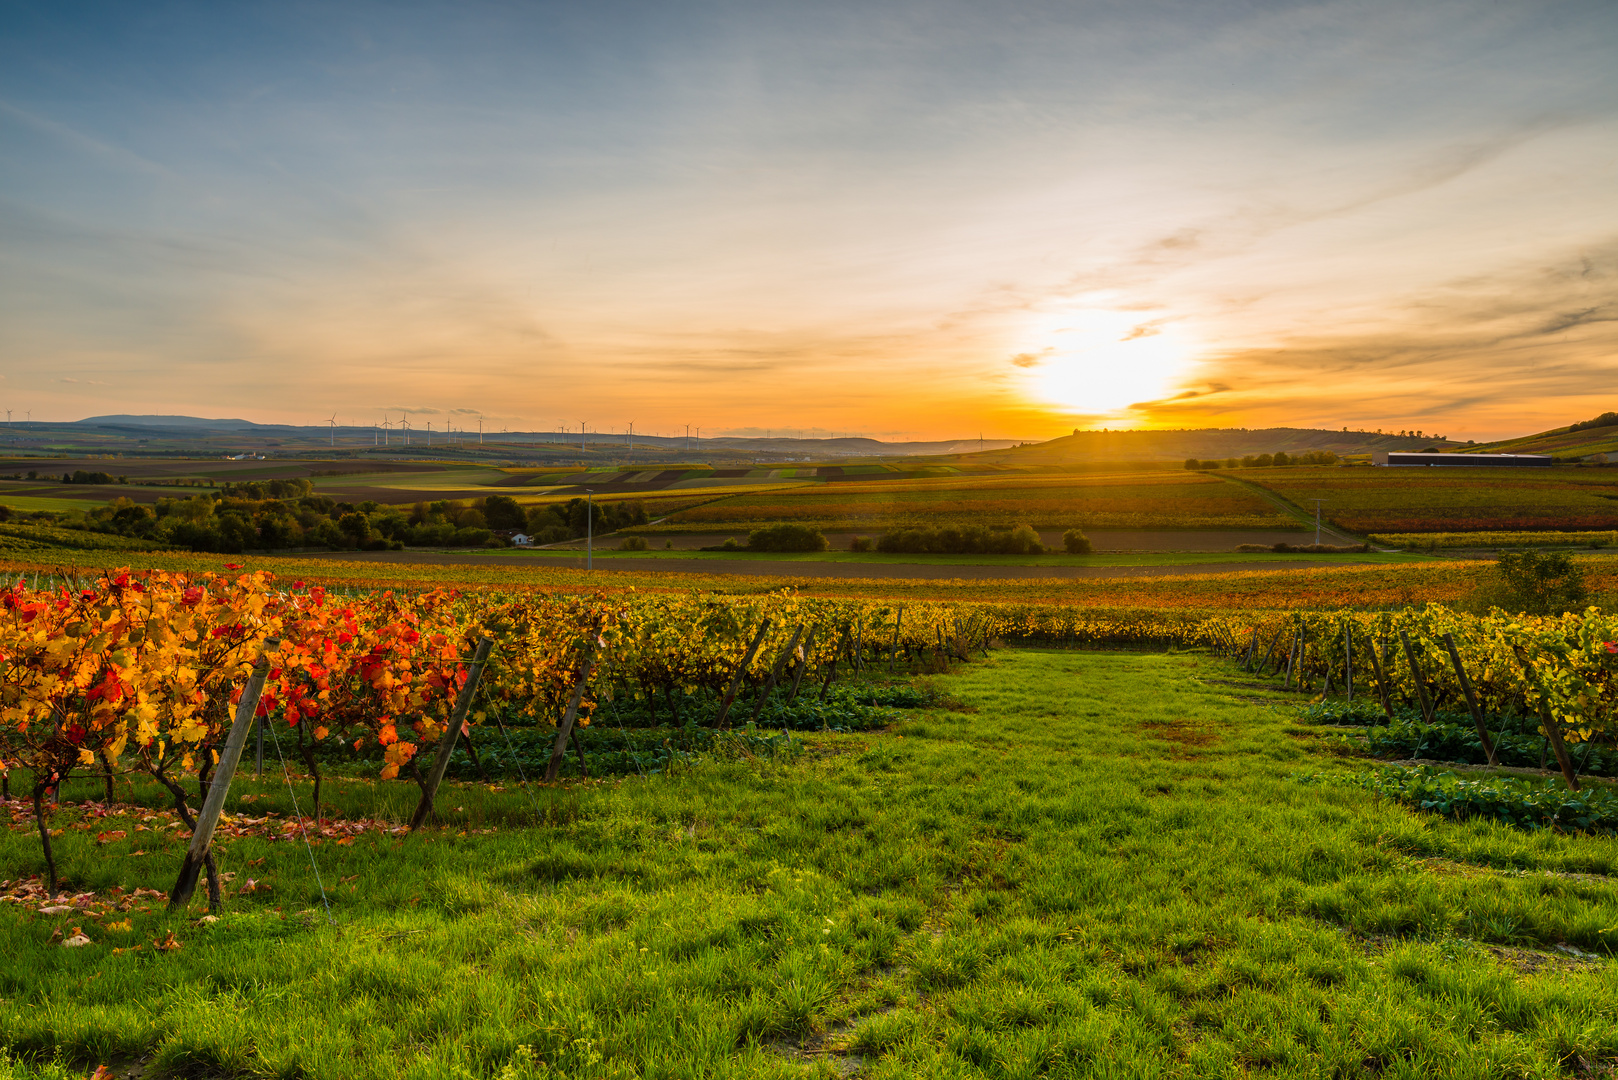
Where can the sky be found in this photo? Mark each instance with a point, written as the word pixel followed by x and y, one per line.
pixel 907 220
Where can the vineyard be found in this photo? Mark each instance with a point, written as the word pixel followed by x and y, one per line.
pixel 1132 501
pixel 1551 538
pixel 135 671
pixel 139 670
pixel 800 835
pixel 1452 500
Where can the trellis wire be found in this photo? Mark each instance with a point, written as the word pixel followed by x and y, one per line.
pixel 302 828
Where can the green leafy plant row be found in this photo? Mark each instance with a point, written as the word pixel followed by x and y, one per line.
pixel 1524 804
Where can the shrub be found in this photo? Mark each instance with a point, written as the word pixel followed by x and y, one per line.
pixel 633 543
pixel 861 543
pixel 1535 583
pixel 1076 543
pixel 962 540
pixel 787 538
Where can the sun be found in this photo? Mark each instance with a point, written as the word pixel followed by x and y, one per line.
pixel 1098 361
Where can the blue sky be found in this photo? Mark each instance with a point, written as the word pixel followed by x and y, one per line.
pixel 896 219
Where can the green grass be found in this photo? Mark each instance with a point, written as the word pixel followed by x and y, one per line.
pixel 428 483
pixel 40 502
pixel 1105 558
pixel 1091 864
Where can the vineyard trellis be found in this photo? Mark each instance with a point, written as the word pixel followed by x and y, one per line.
pixel 141 671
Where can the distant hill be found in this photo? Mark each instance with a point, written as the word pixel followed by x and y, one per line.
pixel 1572 443
pixel 150 435
pixel 193 422
pixel 1203 443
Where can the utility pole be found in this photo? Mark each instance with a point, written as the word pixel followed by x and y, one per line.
pixel 1317 503
pixel 589 528
pixel 632 437
pixel 480 431
pixel 581 436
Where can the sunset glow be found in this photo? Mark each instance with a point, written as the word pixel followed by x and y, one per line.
pixel 907 220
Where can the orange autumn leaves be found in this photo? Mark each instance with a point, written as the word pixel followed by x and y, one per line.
pixel 134 662
pixel 151 664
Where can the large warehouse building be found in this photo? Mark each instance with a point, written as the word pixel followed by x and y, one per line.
pixel 1388 457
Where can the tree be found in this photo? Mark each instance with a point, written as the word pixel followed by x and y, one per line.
pixel 1540 582
pixel 502 512
pixel 356 526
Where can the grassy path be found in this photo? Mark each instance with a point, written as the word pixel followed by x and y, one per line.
pixel 1091 864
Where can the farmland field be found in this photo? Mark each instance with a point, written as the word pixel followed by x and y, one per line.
pixel 1127 501
pixel 1381 585
pixel 1072 864
pixel 1437 540
pixel 1415 500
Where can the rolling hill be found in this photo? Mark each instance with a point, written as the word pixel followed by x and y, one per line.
pixel 1122 447
pixel 1572 443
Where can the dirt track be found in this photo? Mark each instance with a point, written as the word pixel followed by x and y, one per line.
pixel 763 568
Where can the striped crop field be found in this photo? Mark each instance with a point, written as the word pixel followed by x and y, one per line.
pixel 1129 501
pixel 1444 500
pixel 1489 540
pixel 1361 587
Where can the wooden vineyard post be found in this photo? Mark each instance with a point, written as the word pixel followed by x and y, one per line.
pixel 831 668
pixel 1252 647
pixel 1381 681
pixel 775 673
pixel 214 804
pixel 1416 677
pixel 858 659
pixel 565 728
pixel 803 665
pixel 1553 730
pixel 1274 641
pixel 893 653
pixel 1348 660
pixel 741 669
pixel 1471 696
pixel 446 744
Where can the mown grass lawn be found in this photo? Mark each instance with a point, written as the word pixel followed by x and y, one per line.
pixel 1093 864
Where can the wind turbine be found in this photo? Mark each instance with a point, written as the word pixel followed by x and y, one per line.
pixel 429 433
pixel 632 436
pixel 581 436
pixel 333 423
pixel 480 431
pixel 404 425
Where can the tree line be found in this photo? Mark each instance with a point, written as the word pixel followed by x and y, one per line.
pixel 1278 459
pixel 281 514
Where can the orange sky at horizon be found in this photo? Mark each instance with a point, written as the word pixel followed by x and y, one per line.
pixel 900 220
